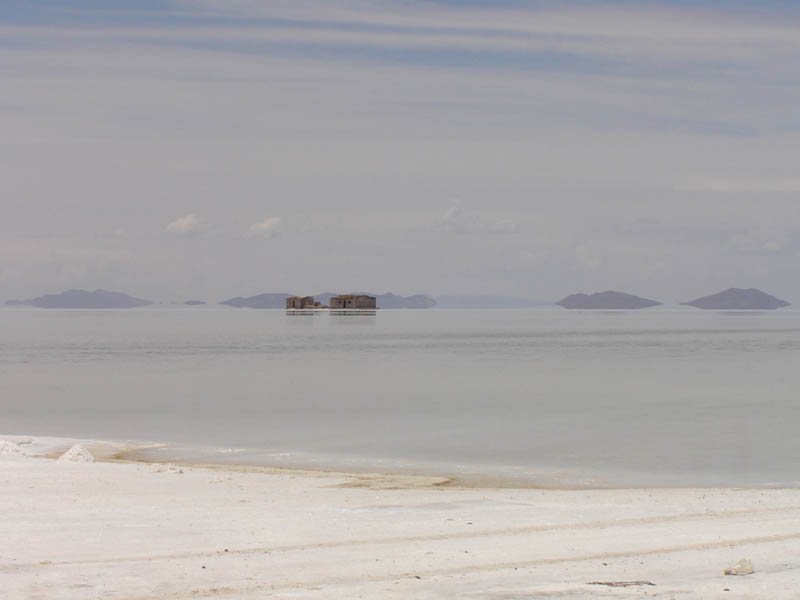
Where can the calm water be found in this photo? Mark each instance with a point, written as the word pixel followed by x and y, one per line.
pixel 657 397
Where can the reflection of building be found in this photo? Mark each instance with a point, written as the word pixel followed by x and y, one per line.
pixel 301 302
pixel 350 301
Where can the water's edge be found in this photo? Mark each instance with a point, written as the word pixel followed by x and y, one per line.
pixel 420 475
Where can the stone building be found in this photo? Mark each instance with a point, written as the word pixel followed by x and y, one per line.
pixel 350 301
pixel 301 302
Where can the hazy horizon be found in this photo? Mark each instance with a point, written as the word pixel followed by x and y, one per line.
pixel 206 149
pixel 455 301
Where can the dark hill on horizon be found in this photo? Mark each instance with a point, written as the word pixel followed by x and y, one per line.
pixel 259 301
pixel 606 300
pixel 83 299
pixel 738 299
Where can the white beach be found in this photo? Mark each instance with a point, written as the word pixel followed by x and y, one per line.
pixel 77 530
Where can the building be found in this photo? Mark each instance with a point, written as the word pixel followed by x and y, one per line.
pixel 351 301
pixel 301 302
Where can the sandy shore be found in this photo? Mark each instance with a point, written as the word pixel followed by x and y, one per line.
pixel 77 530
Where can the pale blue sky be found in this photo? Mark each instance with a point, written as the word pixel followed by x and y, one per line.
pixel 214 148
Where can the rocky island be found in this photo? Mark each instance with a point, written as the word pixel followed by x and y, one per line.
pixel 738 299
pixel 82 299
pixel 606 300
pixel 258 301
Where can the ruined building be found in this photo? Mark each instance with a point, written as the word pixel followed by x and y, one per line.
pixel 350 301
pixel 302 302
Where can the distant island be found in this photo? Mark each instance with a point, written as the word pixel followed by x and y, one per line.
pixel 738 299
pixel 259 301
pixel 278 300
pixel 606 300
pixel 730 299
pixel 455 301
pixel 82 299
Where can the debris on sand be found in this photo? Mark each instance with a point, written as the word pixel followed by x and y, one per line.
pixel 743 567
pixel 78 453
pixel 620 583
pixel 165 468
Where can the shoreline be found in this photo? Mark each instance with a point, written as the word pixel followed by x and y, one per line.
pixel 493 477
pixel 132 530
pixel 130 453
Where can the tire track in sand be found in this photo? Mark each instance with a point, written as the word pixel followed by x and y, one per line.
pixel 508 531
pixel 218 592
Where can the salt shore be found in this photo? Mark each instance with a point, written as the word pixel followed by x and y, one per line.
pixel 75 529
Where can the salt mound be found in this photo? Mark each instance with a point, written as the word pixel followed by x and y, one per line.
pixel 11 449
pixel 78 453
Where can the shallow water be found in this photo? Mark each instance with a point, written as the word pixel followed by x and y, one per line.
pixel 554 397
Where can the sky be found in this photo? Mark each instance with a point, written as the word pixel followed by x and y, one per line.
pixel 177 149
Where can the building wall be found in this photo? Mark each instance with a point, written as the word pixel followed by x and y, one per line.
pixel 354 302
pixel 366 302
pixel 300 302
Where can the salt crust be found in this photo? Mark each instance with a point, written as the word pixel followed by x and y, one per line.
pixel 11 449
pixel 124 532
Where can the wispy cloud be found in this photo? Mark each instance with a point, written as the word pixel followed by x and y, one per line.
pixel 652 41
pixel 267 228
pixel 183 226
pixel 541 35
pixel 457 220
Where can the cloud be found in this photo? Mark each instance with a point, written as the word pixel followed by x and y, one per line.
pixel 457 220
pixel 184 226
pixel 267 228
pixel 655 35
